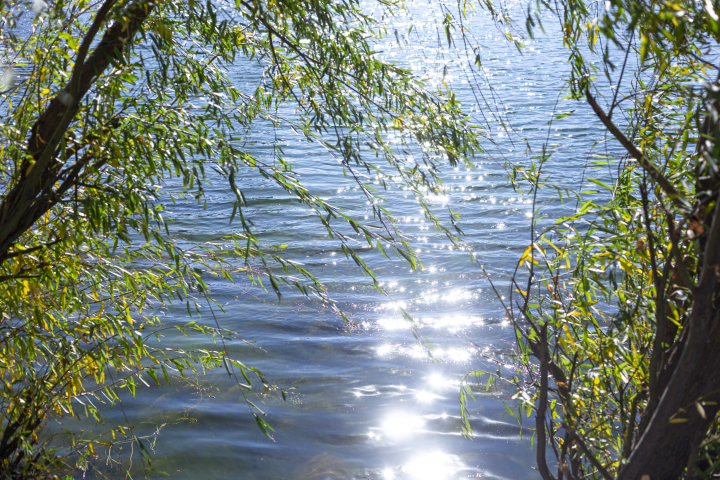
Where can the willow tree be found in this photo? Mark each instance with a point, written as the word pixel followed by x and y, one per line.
pixel 103 103
pixel 617 306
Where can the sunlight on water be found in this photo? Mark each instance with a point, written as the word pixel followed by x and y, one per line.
pixel 432 466
pixel 426 466
pixel 437 199
pixel 397 306
pixel 451 322
pixel 366 391
pixel 401 425
pixel 427 397
pixel 453 296
pixel 457 295
pixel 416 351
pixel 454 354
pixel 437 381
pixel 392 323
pixel 385 350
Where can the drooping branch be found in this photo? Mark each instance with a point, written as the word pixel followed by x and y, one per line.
pixel 650 168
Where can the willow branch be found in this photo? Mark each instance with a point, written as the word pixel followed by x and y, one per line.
pixel 635 152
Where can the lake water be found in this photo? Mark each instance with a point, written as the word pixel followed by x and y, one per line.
pixel 370 402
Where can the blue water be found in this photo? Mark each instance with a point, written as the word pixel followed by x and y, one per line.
pixel 370 403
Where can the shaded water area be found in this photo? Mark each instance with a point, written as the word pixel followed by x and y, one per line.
pixel 370 402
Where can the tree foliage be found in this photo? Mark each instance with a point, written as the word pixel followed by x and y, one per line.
pixel 617 306
pixel 114 100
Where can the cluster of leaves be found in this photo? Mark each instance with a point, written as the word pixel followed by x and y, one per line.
pixel 114 100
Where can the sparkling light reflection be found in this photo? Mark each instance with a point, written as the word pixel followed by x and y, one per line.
pixel 439 199
pixel 452 322
pixel 402 425
pixel 437 381
pixel 431 466
pixel 384 350
pixel 393 323
pixel 455 354
pixel 427 397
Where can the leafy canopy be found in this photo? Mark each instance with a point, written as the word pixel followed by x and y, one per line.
pixel 104 104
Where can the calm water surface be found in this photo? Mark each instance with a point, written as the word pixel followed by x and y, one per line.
pixel 370 402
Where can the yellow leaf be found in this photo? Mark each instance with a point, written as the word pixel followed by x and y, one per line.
pixel 526 254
